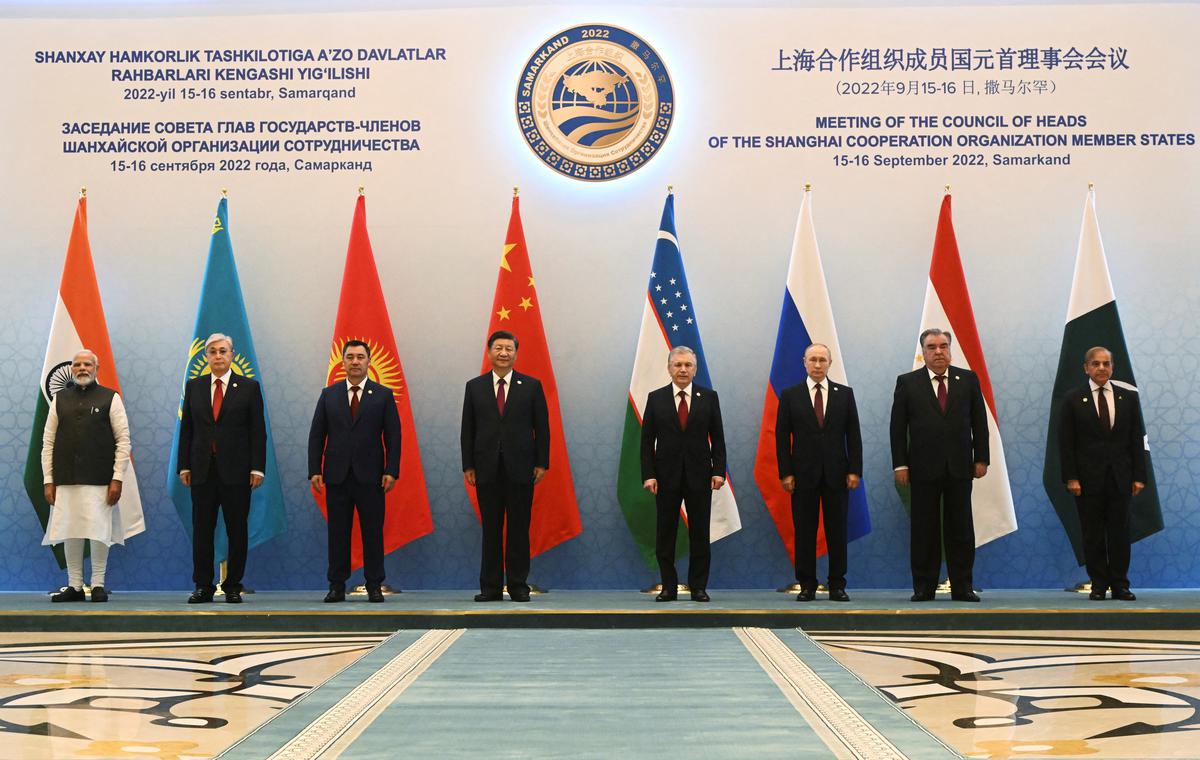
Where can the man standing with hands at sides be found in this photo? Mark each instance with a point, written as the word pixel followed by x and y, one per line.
pixel 354 450
pixel 222 457
pixel 1101 441
pixel 85 450
pixel 683 461
pixel 939 437
pixel 818 447
pixel 505 441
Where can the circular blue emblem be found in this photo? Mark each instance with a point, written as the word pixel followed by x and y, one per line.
pixel 595 102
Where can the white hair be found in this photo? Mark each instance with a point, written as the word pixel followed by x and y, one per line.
pixel 679 350
pixel 95 358
pixel 217 338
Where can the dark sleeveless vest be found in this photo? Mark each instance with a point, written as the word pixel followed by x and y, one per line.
pixel 85 448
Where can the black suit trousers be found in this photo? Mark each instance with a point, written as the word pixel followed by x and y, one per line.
pixel 699 511
pixel 341 499
pixel 208 498
pixel 1104 517
pixel 504 509
pixel 942 508
pixel 808 504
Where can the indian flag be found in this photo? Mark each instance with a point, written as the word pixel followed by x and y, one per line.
pixel 948 306
pixel 668 320
pixel 78 323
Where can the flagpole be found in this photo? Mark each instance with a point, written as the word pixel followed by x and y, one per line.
pixel 1083 587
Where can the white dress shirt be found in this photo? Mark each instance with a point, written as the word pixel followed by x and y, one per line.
pixel 1109 397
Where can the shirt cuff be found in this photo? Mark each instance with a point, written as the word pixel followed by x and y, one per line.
pixel 259 474
pixel 901 467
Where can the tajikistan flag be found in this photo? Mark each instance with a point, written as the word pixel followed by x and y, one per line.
pixel 78 324
pixel 668 320
pixel 948 306
pixel 1093 320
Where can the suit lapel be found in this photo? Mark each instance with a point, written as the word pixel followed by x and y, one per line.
pixel 205 399
pixel 342 396
pixel 954 388
pixel 930 393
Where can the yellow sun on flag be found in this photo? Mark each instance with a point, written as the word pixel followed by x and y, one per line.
pixel 384 369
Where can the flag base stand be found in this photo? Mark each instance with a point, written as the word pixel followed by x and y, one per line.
pixel 682 588
pixel 221 586
pixel 1080 588
pixel 534 590
pixel 361 590
pixel 796 588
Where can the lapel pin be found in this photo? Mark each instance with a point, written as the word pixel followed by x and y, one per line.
pixel 369 391
pixel 518 382
pixel 234 385
pixel 1084 399
pixel 833 387
pixel 956 377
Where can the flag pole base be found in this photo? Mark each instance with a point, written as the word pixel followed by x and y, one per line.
pixel 221 586
pixel 361 590
pixel 682 588
pixel 1080 588
pixel 796 588
pixel 534 590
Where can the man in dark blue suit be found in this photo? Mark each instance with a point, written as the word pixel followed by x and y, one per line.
pixel 818 447
pixel 354 453
pixel 505 439
pixel 1102 447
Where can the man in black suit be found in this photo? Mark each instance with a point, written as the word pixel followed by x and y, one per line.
pixel 1101 441
pixel 939 444
pixel 505 442
pixel 354 449
pixel 818 447
pixel 683 461
pixel 222 457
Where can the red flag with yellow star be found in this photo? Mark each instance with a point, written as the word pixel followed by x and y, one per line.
pixel 362 315
pixel 516 308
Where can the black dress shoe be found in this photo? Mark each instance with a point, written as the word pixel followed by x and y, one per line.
pixel 233 597
pixel 806 595
pixel 700 595
pixel 99 594
pixel 488 597
pixel 666 596
pixel 1124 594
pixel 335 595
pixel 921 596
pixel 838 595
pixel 965 596
pixel 374 594
pixel 519 596
pixel 1097 595
pixel 201 596
pixel 69 594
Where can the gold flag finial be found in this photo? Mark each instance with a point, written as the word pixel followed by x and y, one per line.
pixel 516 191
pixel 361 190
pixel 83 192
pixel 1091 186
pixel 224 192
pixel 808 187
pixel 670 189
pixel 947 189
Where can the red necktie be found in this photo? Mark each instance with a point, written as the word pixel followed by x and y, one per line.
pixel 500 396
pixel 683 411
pixel 1105 417
pixel 353 401
pixel 218 397
pixel 942 391
pixel 819 407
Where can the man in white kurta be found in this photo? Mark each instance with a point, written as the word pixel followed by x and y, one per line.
pixel 85 452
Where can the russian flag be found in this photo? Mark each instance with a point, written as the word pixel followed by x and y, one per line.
pixel 806 317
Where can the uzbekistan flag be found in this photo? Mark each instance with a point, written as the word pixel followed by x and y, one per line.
pixel 1093 320
pixel 668 320
pixel 362 315
pixel 78 323
pixel 806 318
pixel 948 306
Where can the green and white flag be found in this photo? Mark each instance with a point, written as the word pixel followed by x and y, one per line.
pixel 1093 320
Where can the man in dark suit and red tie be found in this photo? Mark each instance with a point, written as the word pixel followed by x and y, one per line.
pixel 683 462
pixel 939 437
pixel 818 447
pixel 222 457
pixel 354 451
pixel 505 441
pixel 1101 439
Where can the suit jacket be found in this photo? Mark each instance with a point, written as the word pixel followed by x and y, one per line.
pixel 522 435
pixel 679 458
pixel 1087 451
pixel 932 443
pixel 367 445
pixel 807 451
pixel 240 433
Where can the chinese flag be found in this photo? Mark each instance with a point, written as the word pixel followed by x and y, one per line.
pixel 516 308
pixel 362 315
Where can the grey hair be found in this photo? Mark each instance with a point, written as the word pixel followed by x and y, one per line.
pixel 95 358
pixel 679 350
pixel 1095 350
pixel 935 331
pixel 818 345
pixel 217 338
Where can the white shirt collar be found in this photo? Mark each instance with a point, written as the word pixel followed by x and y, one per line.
pixel 686 391
pixel 223 378
pixel 496 378
pixel 813 383
pixel 1093 386
pixel 933 376
pixel 350 385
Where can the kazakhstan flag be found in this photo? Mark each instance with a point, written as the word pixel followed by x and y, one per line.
pixel 223 310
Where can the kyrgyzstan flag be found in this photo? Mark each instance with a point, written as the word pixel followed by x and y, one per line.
pixel 362 315
pixel 516 308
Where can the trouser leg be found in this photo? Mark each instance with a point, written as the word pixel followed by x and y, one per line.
pixel 99 562
pixel 699 511
pixel 667 503
pixel 73 549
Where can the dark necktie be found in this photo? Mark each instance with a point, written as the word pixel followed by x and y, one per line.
pixel 217 398
pixel 500 396
pixel 1102 402
pixel 683 410
pixel 942 392
pixel 353 402
pixel 819 406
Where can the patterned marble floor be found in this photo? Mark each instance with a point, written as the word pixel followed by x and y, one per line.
pixel 1125 694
